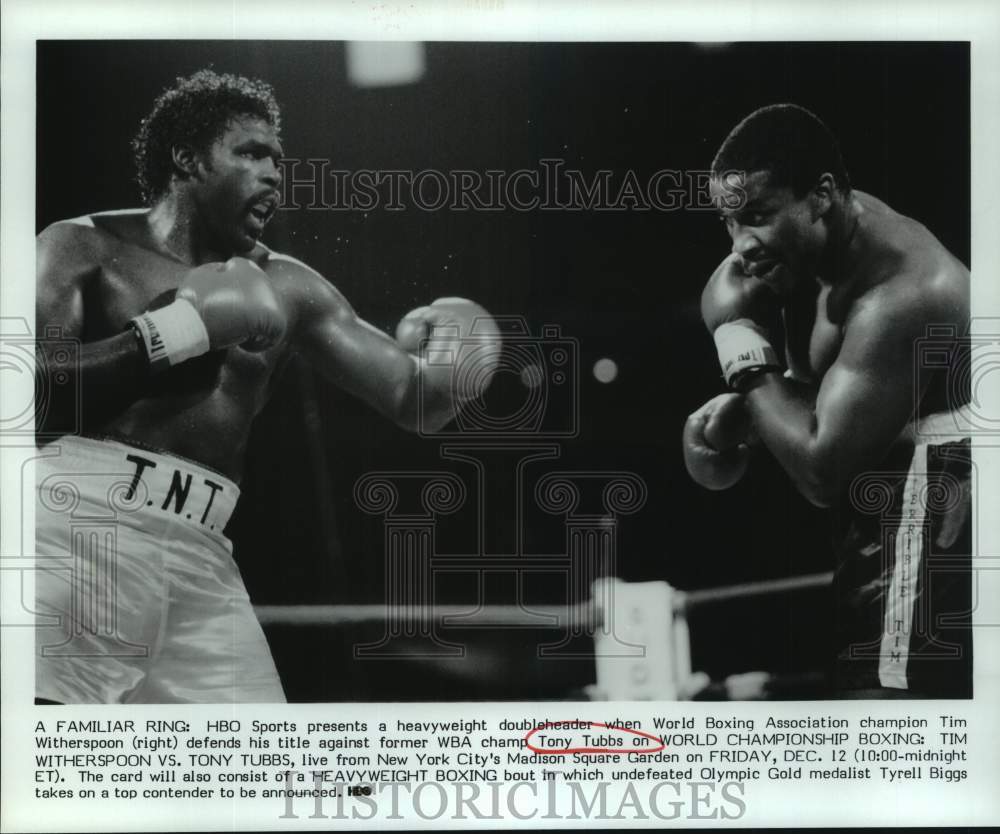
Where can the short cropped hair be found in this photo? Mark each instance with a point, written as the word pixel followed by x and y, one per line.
pixel 788 142
pixel 196 111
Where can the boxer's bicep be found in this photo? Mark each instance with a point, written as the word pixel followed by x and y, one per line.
pixel 868 395
pixel 355 355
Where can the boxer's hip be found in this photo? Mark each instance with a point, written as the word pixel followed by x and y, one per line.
pixel 138 596
pixel 90 478
pixel 903 574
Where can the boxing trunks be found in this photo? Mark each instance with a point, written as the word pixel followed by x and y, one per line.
pixel 903 580
pixel 138 599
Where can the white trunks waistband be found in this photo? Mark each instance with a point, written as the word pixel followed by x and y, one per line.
pixel 944 427
pixel 107 478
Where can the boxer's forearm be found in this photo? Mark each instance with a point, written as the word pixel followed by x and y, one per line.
pixel 784 417
pixel 93 381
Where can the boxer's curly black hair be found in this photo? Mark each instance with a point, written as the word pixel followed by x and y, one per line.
pixel 195 112
pixel 787 141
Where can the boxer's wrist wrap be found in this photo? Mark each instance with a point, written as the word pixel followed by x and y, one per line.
pixel 172 334
pixel 743 350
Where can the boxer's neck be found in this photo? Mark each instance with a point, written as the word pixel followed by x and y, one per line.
pixel 843 244
pixel 178 232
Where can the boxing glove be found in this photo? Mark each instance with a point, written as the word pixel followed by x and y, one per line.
pixel 739 311
pixel 459 342
pixel 714 439
pixel 217 306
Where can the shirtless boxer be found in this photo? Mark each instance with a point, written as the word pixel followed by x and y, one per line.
pixel 186 318
pixel 852 286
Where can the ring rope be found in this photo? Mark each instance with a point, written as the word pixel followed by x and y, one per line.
pixel 514 615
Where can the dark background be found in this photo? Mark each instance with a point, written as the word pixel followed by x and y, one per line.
pixel 625 285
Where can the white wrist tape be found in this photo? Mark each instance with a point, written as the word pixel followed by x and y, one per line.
pixel 172 334
pixel 742 346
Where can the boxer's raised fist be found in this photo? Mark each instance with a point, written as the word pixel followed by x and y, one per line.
pixel 740 311
pixel 459 341
pixel 236 304
pixel 217 306
pixel 731 294
pixel 728 423
pixel 715 442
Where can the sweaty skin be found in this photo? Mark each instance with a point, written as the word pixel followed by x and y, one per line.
pixel 95 273
pixel 852 314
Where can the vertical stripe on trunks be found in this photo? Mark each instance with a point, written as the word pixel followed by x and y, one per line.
pixel 908 551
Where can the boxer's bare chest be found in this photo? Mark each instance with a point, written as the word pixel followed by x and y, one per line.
pixel 812 340
pixel 202 409
pixel 130 280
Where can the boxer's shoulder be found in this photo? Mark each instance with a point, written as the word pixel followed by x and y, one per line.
pixel 914 293
pixel 91 239
pixel 75 231
pixel 276 263
pixel 307 294
pixel 69 247
pixel 288 275
pixel 904 271
pixel 902 247
pixel 123 223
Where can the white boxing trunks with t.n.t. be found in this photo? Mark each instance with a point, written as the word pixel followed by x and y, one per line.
pixel 138 598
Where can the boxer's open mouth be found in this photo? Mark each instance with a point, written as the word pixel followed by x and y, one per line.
pixel 763 269
pixel 262 210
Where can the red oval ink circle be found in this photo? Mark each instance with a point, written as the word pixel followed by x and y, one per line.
pixel 614 751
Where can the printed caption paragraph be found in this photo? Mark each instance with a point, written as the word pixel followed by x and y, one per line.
pixel 656 767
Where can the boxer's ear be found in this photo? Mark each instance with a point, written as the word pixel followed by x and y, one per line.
pixel 185 160
pixel 821 196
